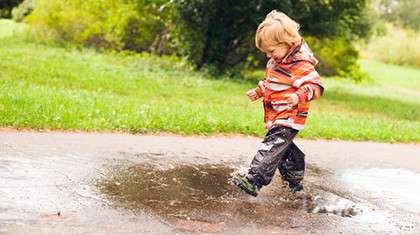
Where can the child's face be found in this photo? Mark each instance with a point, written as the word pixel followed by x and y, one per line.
pixel 276 52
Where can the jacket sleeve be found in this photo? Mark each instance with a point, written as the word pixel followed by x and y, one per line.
pixel 260 89
pixel 308 82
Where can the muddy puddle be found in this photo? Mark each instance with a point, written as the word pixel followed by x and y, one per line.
pixel 53 183
pixel 193 193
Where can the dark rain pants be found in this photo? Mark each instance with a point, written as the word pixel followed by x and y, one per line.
pixel 277 150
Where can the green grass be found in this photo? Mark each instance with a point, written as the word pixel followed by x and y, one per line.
pixel 47 87
pixel 392 75
pixel 8 28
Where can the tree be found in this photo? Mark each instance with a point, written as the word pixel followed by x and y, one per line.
pixel 403 12
pixel 220 32
pixel 6 7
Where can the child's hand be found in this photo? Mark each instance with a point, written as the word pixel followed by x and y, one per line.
pixel 268 125
pixel 252 95
pixel 261 87
pixel 292 99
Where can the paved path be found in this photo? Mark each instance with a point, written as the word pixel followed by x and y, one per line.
pixel 48 184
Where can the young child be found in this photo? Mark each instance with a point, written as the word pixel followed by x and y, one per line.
pixel 291 82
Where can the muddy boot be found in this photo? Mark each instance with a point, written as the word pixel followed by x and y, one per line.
pixel 246 186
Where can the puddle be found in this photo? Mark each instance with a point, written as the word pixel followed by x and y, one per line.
pixel 205 194
pixel 172 192
pixel 394 187
pixel 52 183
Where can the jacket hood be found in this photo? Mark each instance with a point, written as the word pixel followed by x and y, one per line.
pixel 301 52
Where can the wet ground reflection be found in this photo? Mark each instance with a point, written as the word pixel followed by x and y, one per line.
pixel 204 193
pixel 53 183
pixel 182 191
pixel 399 187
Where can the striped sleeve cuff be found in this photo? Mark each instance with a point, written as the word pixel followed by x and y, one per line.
pixel 308 92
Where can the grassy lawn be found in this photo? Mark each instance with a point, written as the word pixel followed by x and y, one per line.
pixel 47 87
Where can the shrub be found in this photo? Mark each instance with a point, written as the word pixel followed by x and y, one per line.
pixel 115 24
pixel 221 33
pixel 215 34
pixel 6 7
pixel 398 46
pixel 405 13
pixel 24 9
pixel 86 22
pixel 336 56
pixel 151 29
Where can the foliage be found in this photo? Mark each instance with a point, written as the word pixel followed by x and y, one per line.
pixel 384 47
pixel 136 25
pixel 45 87
pixel 336 56
pixel 88 22
pixel 217 32
pixel 150 29
pixel 216 35
pixel 348 19
pixel 220 33
pixel 24 9
pixel 6 7
pixel 405 13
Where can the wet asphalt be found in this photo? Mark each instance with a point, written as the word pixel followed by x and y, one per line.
pixel 87 183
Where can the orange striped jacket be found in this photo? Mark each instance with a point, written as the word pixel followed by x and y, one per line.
pixel 294 73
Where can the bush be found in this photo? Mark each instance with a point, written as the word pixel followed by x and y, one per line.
pixel 404 13
pixel 85 22
pixel 151 29
pixel 398 46
pixel 6 7
pixel 24 9
pixel 115 24
pixel 223 36
pixel 336 56
pixel 216 35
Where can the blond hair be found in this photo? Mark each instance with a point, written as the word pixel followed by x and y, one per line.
pixel 276 29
